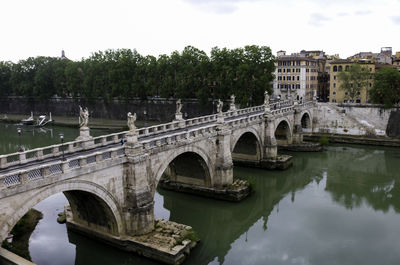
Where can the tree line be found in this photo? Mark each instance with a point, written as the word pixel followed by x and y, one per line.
pixel 124 73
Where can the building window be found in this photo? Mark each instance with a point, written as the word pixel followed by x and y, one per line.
pixel 334 77
pixel 370 84
pixel 289 78
pixel 298 78
pixel 279 70
pixel 284 70
pixel 347 68
pixel 283 78
pixel 340 68
pixel 334 93
pixel 335 68
pixel 288 70
pixel 334 85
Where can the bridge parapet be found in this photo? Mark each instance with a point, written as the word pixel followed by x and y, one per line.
pixel 26 176
pixel 179 137
pixel 56 150
pixel 282 110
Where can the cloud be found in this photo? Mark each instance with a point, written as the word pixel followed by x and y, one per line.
pixel 318 19
pixel 342 14
pixel 396 20
pixel 219 6
pixel 363 12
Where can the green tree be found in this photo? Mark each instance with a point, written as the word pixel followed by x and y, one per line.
pixel 5 75
pixel 386 88
pixel 354 81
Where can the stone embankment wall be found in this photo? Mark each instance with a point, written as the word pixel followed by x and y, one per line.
pixel 156 109
pixel 356 119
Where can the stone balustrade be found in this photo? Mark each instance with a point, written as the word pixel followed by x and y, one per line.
pixel 42 153
pixel 21 177
pixel 179 136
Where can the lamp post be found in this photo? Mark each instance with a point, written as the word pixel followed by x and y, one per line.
pixel 19 139
pixel 62 145
pixel 145 118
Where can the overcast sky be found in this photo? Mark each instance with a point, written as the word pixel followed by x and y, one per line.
pixel 80 27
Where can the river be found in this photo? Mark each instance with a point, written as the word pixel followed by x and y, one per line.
pixel 341 206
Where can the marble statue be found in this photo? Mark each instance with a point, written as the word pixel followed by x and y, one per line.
pixel 219 106
pixel 131 122
pixel 266 98
pixel 178 106
pixel 84 117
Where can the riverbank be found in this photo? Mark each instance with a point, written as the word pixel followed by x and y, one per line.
pixel 346 139
pixel 22 232
pixel 94 123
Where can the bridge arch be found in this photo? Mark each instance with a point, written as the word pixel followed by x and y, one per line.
pixel 283 131
pixel 246 144
pixel 187 153
pixel 96 199
pixel 306 120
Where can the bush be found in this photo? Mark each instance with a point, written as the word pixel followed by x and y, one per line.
pixel 324 141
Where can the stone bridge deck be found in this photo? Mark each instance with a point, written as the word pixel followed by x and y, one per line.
pixel 30 165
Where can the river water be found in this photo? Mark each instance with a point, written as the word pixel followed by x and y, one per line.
pixel 341 206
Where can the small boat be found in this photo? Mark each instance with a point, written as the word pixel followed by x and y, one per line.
pixel 42 120
pixel 28 121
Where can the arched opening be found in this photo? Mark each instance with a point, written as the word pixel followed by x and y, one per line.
pixel 305 121
pixel 246 148
pixel 189 168
pixel 282 133
pixel 45 241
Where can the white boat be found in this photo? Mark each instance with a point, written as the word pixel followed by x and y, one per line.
pixel 28 121
pixel 42 120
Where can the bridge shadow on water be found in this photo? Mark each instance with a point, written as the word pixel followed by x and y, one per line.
pixel 347 175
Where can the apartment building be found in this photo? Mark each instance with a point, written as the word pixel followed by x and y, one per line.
pixel 296 75
pixel 339 95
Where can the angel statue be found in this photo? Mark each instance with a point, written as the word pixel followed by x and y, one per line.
pixel 131 122
pixel 178 106
pixel 266 98
pixel 219 106
pixel 233 99
pixel 83 117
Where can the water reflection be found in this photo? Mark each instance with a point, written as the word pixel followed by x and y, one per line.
pixel 336 207
pixel 33 137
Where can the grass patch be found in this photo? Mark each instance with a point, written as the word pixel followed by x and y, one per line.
pixel 324 141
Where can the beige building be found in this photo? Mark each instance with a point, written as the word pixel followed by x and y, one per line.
pixel 296 75
pixel 396 60
pixel 338 95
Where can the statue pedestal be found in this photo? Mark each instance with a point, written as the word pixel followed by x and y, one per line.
pixel 133 147
pixel 179 118
pixel 220 118
pixel 232 107
pixel 84 135
pixel 131 138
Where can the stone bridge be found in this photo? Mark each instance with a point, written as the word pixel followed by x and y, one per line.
pixel 110 186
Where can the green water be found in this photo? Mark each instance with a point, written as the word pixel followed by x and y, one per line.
pixel 337 207
pixel 32 137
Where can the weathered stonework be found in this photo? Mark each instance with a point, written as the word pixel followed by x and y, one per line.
pixel 110 186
